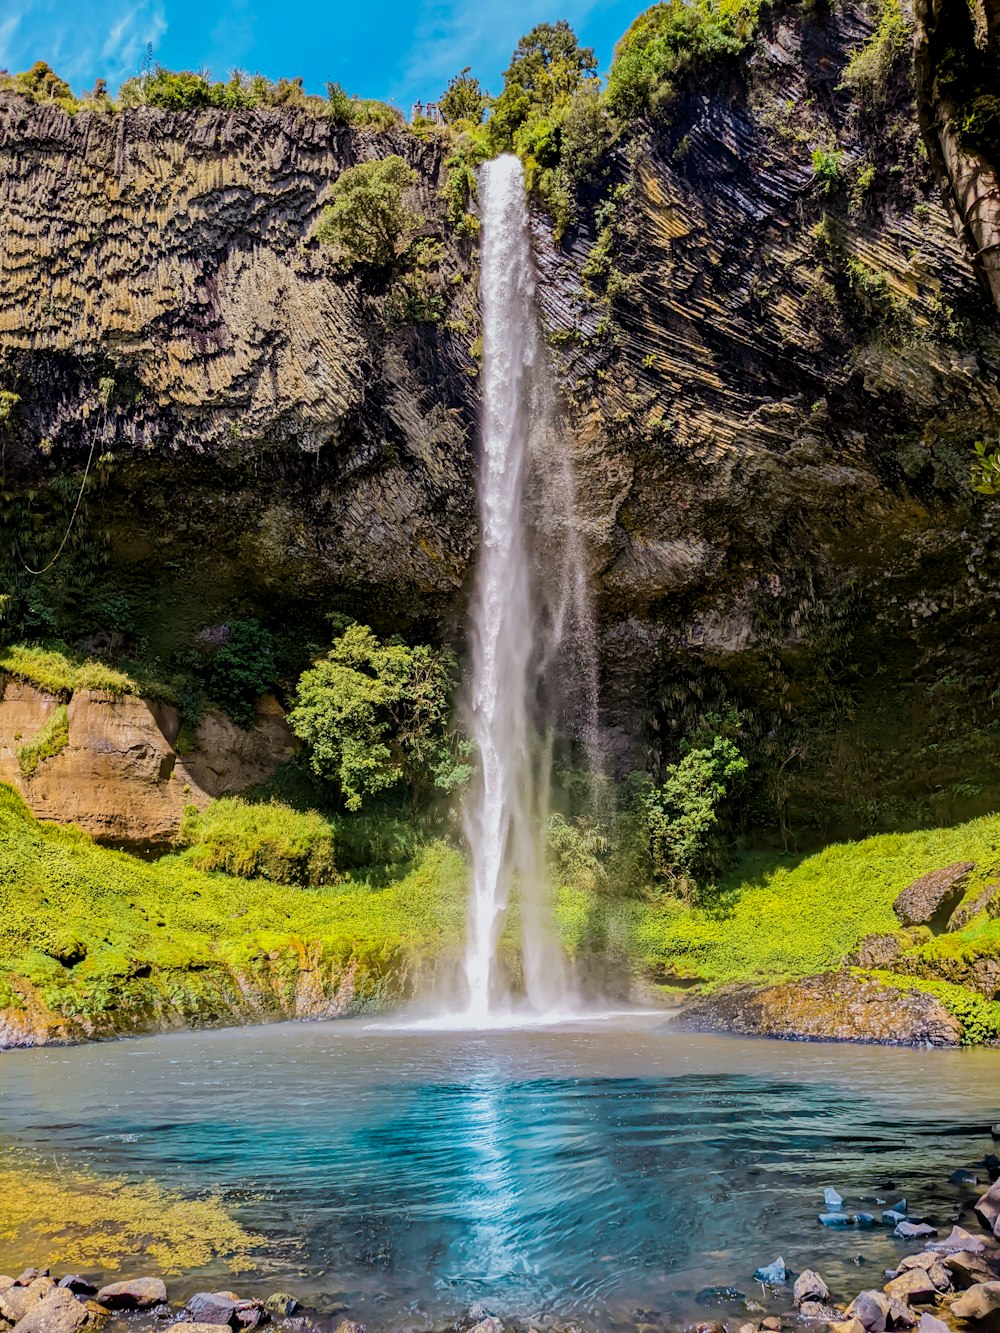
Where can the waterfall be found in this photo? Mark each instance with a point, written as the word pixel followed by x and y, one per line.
pixel 532 640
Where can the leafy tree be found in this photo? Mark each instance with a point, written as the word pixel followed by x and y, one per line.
pixel 367 216
pixel 681 815
pixel 668 43
pixel 547 68
pixel 464 99
pixel 42 84
pixel 375 714
pixel 243 669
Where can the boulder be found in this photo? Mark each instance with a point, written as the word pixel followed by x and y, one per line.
pixel 280 1305
pixel 30 1275
pixel 776 1272
pixel 979 1302
pixel 6 1282
pixel 138 1293
pixel 491 1324
pixel 820 1311
pixel 212 1307
pixel 925 1260
pixel 17 1301
pixel 964 913
pixel 188 1327
pixel 915 1285
pixel 988 1207
pixel 967 1268
pixel 871 1310
pixel 848 1326
pixel 959 1242
pixel 931 1324
pixel 913 1230
pixel 931 899
pixel 58 1312
pixel 79 1286
pixel 837 1006
pixel 809 1286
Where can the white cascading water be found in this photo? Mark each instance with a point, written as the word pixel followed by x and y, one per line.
pixel 533 655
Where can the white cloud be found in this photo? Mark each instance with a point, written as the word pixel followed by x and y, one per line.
pixel 450 34
pixel 97 38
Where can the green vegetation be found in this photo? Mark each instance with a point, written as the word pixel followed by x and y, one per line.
pixel 828 168
pixel 243 669
pixel 682 815
pixel 871 69
pixel 670 43
pixel 105 935
pixel 187 90
pixel 980 1018
pixel 367 218
pixel 52 738
pixel 464 100
pixel 59 670
pixel 254 840
pixel 986 469
pixel 376 714
pixel 772 919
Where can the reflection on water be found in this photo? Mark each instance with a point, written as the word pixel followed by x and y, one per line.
pixel 585 1172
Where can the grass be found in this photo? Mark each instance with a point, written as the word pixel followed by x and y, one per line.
pixel 96 932
pixel 57 670
pixel 52 738
pixel 260 841
pixel 772 922
pixel 75 1220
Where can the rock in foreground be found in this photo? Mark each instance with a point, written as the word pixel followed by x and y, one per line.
pixel 841 1006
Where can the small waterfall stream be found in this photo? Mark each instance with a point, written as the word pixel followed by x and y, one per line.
pixel 533 654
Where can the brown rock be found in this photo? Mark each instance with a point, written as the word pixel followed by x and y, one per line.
pixel 58 1312
pixel 987 1208
pixel 913 1285
pixel 967 1268
pixel 809 1286
pixel 30 1275
pixel 959 1242
pixel 838 1006
pixel 930 900
pixel 6 1282
pixel 119 777
pixel 16 1301
pixel 979 1302
pixel 964 913
pixel 349 1326
pixel 139 1293
pixel 931 1324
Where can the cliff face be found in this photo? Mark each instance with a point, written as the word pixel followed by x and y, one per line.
pixel 775 356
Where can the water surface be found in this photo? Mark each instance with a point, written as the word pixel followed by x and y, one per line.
pixel 590 1172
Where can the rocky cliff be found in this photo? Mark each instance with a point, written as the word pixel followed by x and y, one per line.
pixel 775 355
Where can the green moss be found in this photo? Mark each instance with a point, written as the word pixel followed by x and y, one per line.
pixel 260 841
pixel 99 932
pixel 772 921
pixel 58 670
pixel 52 738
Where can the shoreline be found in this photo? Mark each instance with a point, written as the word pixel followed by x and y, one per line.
pixel 947 1280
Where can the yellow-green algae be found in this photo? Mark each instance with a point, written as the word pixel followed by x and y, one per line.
pixel 54 1216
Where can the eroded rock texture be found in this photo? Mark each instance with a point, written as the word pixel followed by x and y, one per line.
pixel 774 390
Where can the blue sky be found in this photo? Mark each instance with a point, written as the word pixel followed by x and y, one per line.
pixel 390 49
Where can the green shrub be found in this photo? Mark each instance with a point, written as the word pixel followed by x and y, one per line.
pixel 464 99
pixel 376 714
pixel 260 841
pixel 243 669
pixel 53 738
pixel 985 476
pixel 178 90
pixel 669 43
pixel 869 72
pixel 41 84
pixel 828 168
pixel 366 217
pixel 682 814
